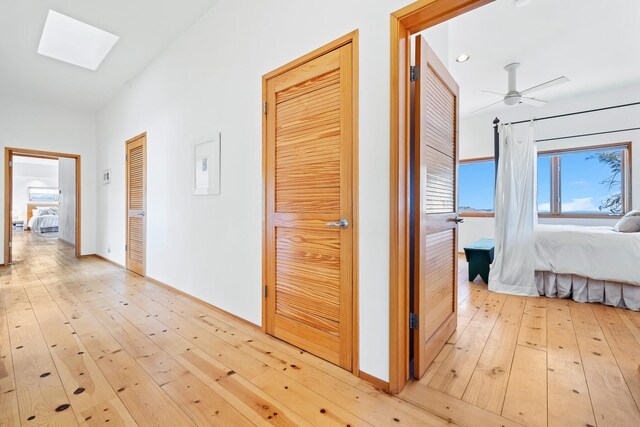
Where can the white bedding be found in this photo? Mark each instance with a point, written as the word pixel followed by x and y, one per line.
pixel 37 223
pixel 593 252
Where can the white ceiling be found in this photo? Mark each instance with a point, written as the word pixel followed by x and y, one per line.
pixel 34 161
pixel 31 167
pixel 145 28
pixel 595 43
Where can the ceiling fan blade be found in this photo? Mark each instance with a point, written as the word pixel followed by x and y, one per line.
pixel 493 93
pixel 490 105
pixel 533 101
pixel 546 85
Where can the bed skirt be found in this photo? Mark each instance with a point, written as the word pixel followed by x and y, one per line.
pixel 583 289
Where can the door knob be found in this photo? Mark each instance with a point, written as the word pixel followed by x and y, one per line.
pixel 458 220
pixel 341 223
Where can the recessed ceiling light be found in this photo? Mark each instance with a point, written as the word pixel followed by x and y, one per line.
pixel 463 58
pixel 72 41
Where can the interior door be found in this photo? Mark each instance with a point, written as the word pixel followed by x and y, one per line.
pixel 8 201
pixel 309 206
pixel 136 203
pixel 435 195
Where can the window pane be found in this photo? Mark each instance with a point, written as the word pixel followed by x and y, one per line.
pixel 544 184
pixel 591 182
pixel 476 186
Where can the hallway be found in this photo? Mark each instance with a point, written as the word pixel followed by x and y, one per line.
pixel 83 341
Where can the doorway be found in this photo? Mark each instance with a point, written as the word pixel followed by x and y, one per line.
pixel 406 22
pixel 434 163
pixel 310 225
pixel 136 167
pixel 42 198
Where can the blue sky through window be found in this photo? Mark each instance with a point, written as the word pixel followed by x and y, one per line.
pixel 581 183
pixel 544 184
pixel 476 186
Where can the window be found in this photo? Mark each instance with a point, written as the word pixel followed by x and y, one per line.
pixel 583 181
pixel 38 194
pixel 544 184
pixel 476 187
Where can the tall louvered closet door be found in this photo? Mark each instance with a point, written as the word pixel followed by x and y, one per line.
pixel 308 228
pixel 436 230
pixel 136 203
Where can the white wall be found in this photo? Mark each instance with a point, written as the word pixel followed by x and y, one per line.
pixel 40 126
pixel 27 175
pixel 209 80
pixel 67 212
pixel 476 140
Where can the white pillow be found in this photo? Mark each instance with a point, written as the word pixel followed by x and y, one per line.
pixel 35 212
pixel 45 211
pixel 630 223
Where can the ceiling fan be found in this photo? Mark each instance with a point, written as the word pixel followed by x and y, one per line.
pixel 514 97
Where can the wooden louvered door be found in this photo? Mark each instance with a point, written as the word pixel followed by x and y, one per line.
pixel 435 195
pixel 136 203
pixel 309 189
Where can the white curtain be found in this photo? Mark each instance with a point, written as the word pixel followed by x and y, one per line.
pixel 512 271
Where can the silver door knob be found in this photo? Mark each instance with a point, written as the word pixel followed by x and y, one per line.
pixel 342 223
pixel 458 220
pixel 141 213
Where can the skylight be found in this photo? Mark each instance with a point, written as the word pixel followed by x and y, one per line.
pixel 72 41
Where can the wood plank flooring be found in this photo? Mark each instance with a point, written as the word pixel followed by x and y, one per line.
pixel 83 342
pixel 535 362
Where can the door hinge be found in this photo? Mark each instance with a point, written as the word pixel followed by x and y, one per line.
pixel 413 321
pixel 265 107
pixel 126 157
pixel 10 244
pixel 265 291
pixel 414 73
pixel 126 248
pixel 11 164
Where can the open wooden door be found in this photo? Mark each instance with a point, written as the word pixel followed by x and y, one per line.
pixel 435 195
pixel 309 192
pixel 136 204
pixel 8 206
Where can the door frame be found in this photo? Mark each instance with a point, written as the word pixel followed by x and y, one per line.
pixel 352 38
pixel 9 153
pixel 405 22
pixel 126 202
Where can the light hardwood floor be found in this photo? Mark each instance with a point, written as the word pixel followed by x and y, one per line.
pixel 537 361
pixel 84 342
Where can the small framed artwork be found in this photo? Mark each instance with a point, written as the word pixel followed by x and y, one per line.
pixel 206 165
pixel 106 176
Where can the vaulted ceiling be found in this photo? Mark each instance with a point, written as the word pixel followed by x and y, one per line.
pixel 145 28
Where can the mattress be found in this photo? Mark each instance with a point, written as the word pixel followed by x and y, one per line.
pixel 44 223
pixel 597 253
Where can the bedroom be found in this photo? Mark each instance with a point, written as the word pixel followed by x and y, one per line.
pixel 551 225
pixel 43 208
pixel 177 306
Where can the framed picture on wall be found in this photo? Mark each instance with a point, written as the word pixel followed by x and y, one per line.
pixel 43 194
pixel 206 165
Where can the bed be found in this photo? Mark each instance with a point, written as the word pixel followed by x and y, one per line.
pixel 588 264
pixel 43 219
